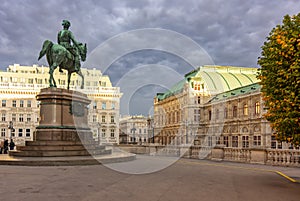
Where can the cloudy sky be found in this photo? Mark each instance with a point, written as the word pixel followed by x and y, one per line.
pixel 231 32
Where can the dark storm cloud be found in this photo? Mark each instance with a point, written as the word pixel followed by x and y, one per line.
pixel 226 29
pixel 231 31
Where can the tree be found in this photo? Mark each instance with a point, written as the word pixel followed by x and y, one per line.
pixel 280 79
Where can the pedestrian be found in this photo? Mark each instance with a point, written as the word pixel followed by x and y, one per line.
pixel 5 146
pixel 11 145
pixel 1 146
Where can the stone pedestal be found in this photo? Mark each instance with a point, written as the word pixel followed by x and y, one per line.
pixel 63 129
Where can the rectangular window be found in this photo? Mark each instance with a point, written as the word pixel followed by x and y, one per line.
pixel 21 103
pixel 13 117
pixel 94 118
pixel 245 141
pixel 14 103
pixel 197 86
pixel 112 119
pixel 21 117
pixel 103 119
pixel 3 132
pixel 275 144
pixel 257 140
pixel 13 132
pixel 27 132
pixel 103 133
pixel 113 106
pixel 196 115
pixel 30 81
pixel 3 117
pixel 39 81
pixel 112 132
pixel 103 105
pixel 235 141
pixel 20 132
pixel 145 130
pixel 209 115
pixel 29 103
pixel 102 84
pixel 3 103
pixel 225 141
pixel 28 117
pixel 225 113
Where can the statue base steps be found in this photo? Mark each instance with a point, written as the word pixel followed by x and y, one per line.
pixel 63 129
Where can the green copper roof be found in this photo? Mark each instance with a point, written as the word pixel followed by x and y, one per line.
pixel 236 92
pixel 216 79
pixel 177 88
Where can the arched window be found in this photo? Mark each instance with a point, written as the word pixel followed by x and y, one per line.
pixel 245 109
pixel 234 111
pixel 257 107
pixel 225 113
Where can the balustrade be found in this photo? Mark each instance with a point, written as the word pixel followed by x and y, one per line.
pixel 283 157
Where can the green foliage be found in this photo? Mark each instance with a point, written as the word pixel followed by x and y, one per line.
pixel 280 79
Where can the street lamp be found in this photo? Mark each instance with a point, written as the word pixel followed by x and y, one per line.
pixel 99 133
pixel 151 129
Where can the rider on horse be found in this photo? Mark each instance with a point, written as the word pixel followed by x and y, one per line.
pixel 64 38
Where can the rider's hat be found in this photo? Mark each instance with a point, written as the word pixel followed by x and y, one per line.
pixel 66 23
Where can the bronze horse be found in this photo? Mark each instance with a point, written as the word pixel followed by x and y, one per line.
pixel 58 55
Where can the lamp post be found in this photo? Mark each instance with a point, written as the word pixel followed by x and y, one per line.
pixel 99 133
pixel 150 129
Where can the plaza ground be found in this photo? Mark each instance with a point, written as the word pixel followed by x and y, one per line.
pixel 186 179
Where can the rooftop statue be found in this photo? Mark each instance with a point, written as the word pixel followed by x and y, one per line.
pixel 65 55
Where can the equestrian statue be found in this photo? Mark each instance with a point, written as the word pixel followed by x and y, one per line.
pixel 64 54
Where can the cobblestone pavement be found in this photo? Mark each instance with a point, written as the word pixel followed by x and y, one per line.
pixel 184 180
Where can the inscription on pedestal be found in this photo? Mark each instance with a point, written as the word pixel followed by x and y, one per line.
pixel 77 109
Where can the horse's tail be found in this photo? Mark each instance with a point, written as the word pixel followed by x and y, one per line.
pixel 46 46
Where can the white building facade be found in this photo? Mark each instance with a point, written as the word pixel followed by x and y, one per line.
pixel 134 130
pixel 19 86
